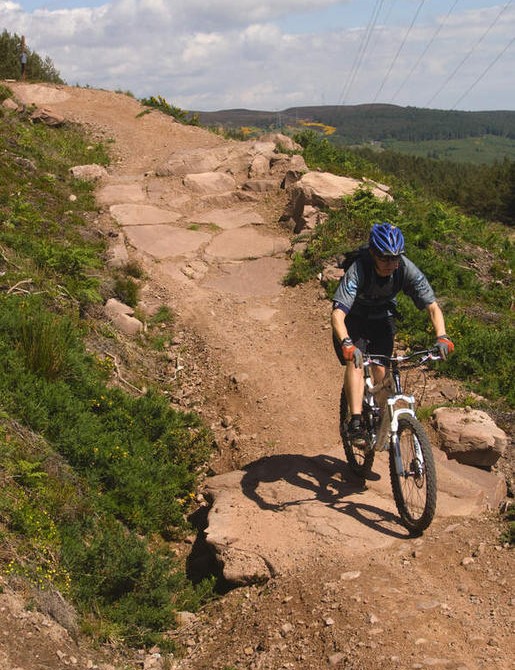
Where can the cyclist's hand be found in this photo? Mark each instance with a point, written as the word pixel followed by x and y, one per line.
pixel 352 353
pixel 444 345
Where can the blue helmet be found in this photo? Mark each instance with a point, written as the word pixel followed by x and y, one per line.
pixel 386 239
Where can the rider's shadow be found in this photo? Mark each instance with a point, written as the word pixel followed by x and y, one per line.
pixel 329 481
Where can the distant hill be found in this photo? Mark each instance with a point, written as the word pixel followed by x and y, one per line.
pixel 356 124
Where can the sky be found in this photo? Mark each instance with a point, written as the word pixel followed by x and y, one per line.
pixel 208 55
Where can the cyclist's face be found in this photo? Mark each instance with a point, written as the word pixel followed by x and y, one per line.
pixel 385 265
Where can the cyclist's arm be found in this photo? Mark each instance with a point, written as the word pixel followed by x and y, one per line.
pixel 344 299
pixel 436 316
pixel 338 323
pixel 416 285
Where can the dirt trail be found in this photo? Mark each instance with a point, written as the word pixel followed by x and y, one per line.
pixel 348 589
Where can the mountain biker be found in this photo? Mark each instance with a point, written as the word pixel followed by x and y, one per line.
pixel 364 308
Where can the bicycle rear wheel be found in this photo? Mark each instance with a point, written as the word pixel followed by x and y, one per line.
pixel 360 459
pixel 414 489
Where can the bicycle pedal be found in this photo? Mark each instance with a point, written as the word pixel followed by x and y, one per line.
pixel 361 443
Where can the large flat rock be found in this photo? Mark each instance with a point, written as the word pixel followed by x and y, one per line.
pixel 245 243
pixel 40 94
pixel 140 215
pixel 120 193
pixel 261 277
pixel 289 508
pixel 228 219
pixel 162 241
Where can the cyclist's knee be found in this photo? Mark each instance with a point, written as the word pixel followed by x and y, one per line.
pixel 353 377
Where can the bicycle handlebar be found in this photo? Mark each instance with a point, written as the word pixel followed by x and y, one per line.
pixel 423 355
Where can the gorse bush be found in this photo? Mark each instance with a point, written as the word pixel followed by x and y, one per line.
pixel 126 589
pixel 139 453
pixel 128 585
pixel 485 357
pixel 323 154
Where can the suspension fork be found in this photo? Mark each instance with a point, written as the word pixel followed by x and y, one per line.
pixel 394 415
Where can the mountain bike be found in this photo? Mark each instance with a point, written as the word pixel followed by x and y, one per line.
pixel 390 424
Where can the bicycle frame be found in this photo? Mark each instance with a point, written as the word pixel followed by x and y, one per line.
pixel 386 437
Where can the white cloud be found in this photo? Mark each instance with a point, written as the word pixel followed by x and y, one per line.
pixel 10 6
pixel 231 53
pixel 204 48
pixel 218 14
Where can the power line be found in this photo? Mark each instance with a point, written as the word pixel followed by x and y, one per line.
pixel 424 52
pixel 399 49
pixel 478 79
pixel 387 17
pixel 359 53
pixel 358 58
pixel 469 54
pixel 380 36
pixel 379 6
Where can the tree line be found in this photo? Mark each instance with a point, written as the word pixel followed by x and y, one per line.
pixel 362 123
pixel 487 191
pixel 356 124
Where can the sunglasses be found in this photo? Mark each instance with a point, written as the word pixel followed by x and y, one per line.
pixel 387 259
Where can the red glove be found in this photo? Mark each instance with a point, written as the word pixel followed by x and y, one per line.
pixel 351 352
pixel 444 345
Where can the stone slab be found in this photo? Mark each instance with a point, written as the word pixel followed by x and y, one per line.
pixel 39 94
pixel 228 219
pixel 120 193
pixel 282 507
pixel 245 243
pixel 162 241
pixel 261 277
pixel 140 215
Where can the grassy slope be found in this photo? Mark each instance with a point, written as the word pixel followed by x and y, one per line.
pixel 94 480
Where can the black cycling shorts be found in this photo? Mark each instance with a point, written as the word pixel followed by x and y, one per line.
pixel 376 336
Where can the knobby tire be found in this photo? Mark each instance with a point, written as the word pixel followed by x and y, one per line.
pixel 360 461
pixel 414 493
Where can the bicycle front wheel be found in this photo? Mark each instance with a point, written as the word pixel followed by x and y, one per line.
pixel 414 489
pixel 360 459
